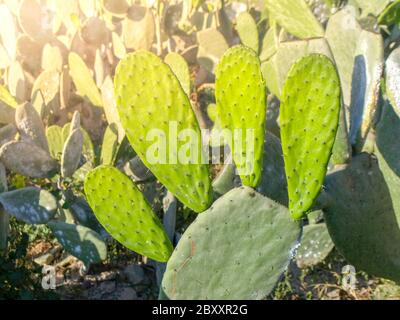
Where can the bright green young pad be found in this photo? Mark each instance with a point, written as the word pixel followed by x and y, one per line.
pixel 30 205
pixel 295 17
pixel 237 249
pixel 149 100
pixel 124 212
pixel 241 103
pixel 83 243
pixel 309 119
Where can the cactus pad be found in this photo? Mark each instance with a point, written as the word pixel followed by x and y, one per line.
pixel 30 205
pixel 72 153
pixel 83 243
pixel 316 244
pixel 83 80
pixel 180 67
pixel 27 159
pixel 237 249
pixel 295 17
pixel 361 218
pixel 247 30
pixel 150 100
pixel 241 101
pixel 393 79
pixel 309 120
pixel 30 125
pixel 55 141
pixel 123 211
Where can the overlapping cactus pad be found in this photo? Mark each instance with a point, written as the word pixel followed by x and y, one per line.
pixel 309 120
pixel 237 249
pixel 149 100
pixel 240 93
pixel 124 212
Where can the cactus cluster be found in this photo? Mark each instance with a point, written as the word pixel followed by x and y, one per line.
pixel 111 128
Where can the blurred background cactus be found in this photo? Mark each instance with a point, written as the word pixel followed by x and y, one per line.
pixel 318 81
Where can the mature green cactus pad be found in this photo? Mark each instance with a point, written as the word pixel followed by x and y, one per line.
pixel 123 211
pixel 46 92
pixel 180 67
pixel 393 79
pixel 247 30
pixel 273 183
pixel 30 125
pixel 30 205
pixel 237 249
pixel 83 243
pixel 27 159
pixel 364 225
pixel 72 153
pixel 241 101
pixel 138 28
pixel 275 70
pixel 83 79
pixel 110 106
pixel 52 58
pixel 366 80
pixel 84 215
pixel 342 33
pixel 309 118
pixel 55 141
pixel 295 17
pixel 316 244
pixel 88 148
pixel 151 102
pixel 373 7
pixel 212 46
pixel 226 180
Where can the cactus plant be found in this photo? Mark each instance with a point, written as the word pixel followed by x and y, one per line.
pixel 240 94
pixel 123 211
pixel 30 205
pixel 309 118
pixel 247 30
pixel 81 242
pixel 296 17
pixel 393 79
pixel 160 93
pixel 247 233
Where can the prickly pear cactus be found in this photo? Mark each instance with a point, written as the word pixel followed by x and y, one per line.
pixel 27 159
pixel 309 120
pixel 247 30
pixel 109 147
pixel 393 79
pixel 240 92
pixel 83 79
pixel 124 212
pixel 83 243
pixel 30 205
pixel 252 240
pixel 152 104
pixel 73 146
pixel 7 133
pixel 180 67
pixel 55 141
pixel 296 17
pixel 316 244
pixel 30 125
pixel 362 219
